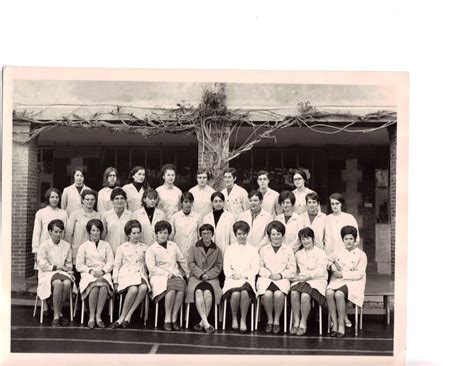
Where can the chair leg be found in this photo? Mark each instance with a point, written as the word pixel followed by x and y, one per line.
pixel 216 310
pixel 111 309
pixel 181 315
pixel 224 314
pixel 71 305
pixel 82 311
pixel 361 316
pixel 120 304
pixel 188 305
pixel 257 315
pixel 252 313
pixel 41 314
pixel 329 322
pixel 320 320
pixel 147 304
pixel 356 320
pixel 36 304
pixel 284 316
pixel 291 319
pixel 76 304
pixel 156 314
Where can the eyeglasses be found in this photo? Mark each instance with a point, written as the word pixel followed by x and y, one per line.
pixel 298 178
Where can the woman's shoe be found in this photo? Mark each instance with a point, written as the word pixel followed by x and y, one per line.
pixel 56 323
pixel 348 323
pixel 100 324
pixel 268 328
pixel 210 329
pixel 333 333
pixel 125 324
pixel 293 330
pixel 175 326
pixel 301 331
pixel 115 325
pixel 167 326
pixel 64 321
pixel 339 335
pixel 198 327
pixel 276 328
pixel 91 324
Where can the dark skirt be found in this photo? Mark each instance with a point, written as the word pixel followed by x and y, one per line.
pixel 100 282
pixel 304 287
pixel 245 287
pixel 345 291
pixel 173 284
pixel 272 287
pixel 59 276
pixel 126 288
pixel 203 286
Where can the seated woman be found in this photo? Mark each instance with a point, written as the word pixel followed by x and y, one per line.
pixel 205 262
pixel 241 265
pixel 277 266
pixel 55 270
pixel 129 274
pixel 310 282
pixel 95 261
pixel 148 215
pixel 164 260
pixel 347 281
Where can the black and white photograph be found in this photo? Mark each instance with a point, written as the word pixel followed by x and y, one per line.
pixel 207 215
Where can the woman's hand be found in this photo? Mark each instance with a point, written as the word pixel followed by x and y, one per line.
pixel 115 287
pixel 337 274
pixel 275 276
pixel 205 277
pixel 236 276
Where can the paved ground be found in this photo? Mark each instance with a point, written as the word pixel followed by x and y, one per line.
pixel 27 335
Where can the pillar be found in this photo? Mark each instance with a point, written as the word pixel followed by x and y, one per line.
pixel 392 135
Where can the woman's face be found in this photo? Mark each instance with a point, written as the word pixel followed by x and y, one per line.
pixel 89 201
pixel 139 176
pixel 276 238
pixel 112 179
pixel 287 205
pixel 312 205
pixel 169 176
pixel 217 203
pixel 187 206
pixel 150 201
pixel 255 203
pixel 298 180
pixel 201 180
pixel 94 234
pixel 162 236
pixel 241 236
pixel 336 206
pixel 349 241
pixel 54 199
pixel 229 180
pixel 134 236
pixel 263 181
pixel 307 242
pixel 206 236
pixel 78 178
pixel 56 234
pixel 119 202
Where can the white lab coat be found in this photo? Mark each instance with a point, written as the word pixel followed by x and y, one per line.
pixel 313 263
pixel 148 228
pixel 169 200
pixel 240 259
pixel 318 225
pixel 300 203
pixel 237 201
pixel 202 199
pixel 71 198
pixel 134 197
pixel 114 233
pixel 129 265
pixel 162 264
pixel 42 218
pixel 283 262
pixel 293 226
pixel 185 230
pixel 270 202
pixel 76 232
pixel 223 233
pixel 103 200
pixel 353 264
pixel 257 235
pixel 334 224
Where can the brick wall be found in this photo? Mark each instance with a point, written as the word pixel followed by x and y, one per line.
pixel 392 133
pixel 24 200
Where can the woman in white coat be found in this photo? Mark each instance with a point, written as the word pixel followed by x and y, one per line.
pixel 55 270
pixel 129 274
pixel 241 265
pixel 347 281
pixel 202 193
pixel 300 192
pixel 257 218
pixel 310 282
pixel 221 220
pixel 292 221
pixel 115 219
pixel 315 219
pixel 335 222
pixel 137 183
pixel 277 266
pixel 170 195
pixel 44 216
pixel 110 182
pixel 166 265
pixel 71 197
pixel 95 261
pixel 235 197
pixel 148 215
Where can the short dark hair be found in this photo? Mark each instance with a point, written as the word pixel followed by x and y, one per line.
pixel 306 232
pixel 349 230
pixel 87 192
pixel 338 197
pixel 256 193
pixel 230 170
pixel 287 195
pixel 302 173
pixel 47 195
pixel 132 224
pixel 166 167
pixel 117 192
pixel 58 223
pixel 78 169
pixel 134 170
pixel 217 194
pixel 203 171
pixel 151 193
pixel 94 222
pixel 162 225
pixel 206 227
pixel 312 196
pixel 187 196
pixel 277 225
pixel 263 172
pixel 240 225
pixel 107 172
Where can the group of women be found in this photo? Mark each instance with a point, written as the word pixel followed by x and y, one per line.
pixel 201 246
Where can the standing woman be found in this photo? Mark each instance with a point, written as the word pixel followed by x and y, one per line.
pixel 277 266
pixel 310 282
pixel 205 262
pixel 221 221
pixel 44 216
pixel 170 195
pixel 110 182
pixel 71 197
pixel 347 281
pixel 148 215
pixel 129 274
pixel 115 219
pixel 335 222
pixel 236 200
pixel 166 266
pixel 202 193
pixel 55 270
pixel 241 265
pixel 76 232
pixel 135 188
pixel 292 221
pixel 300 192
pixel 95 261
pixel 315 219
